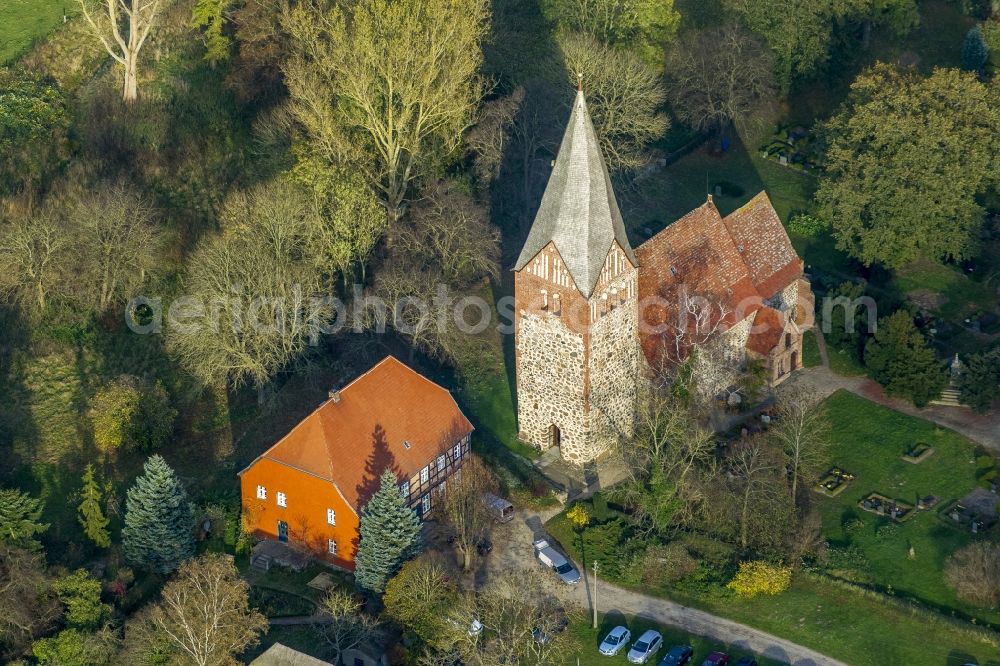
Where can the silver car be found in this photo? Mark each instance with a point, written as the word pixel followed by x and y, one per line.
pixel 644 648
pixel 616 639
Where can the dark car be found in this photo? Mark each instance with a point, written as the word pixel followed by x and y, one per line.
pixel 746 661
pixel 716 659
pixel 677 656
pixel 484 547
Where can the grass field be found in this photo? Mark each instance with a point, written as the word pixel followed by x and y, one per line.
pixel 868 441
pixel 810 350
pixel 24 21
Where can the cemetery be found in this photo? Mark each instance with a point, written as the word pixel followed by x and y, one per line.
pixel 834 482
pixel 975 513
pixel 885 506
pixel 918 453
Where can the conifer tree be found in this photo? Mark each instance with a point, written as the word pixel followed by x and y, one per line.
pixel 20 514
pixel 975 52
pixel 899 359
pixel 89 513
pixel 158 531
pixel 390 535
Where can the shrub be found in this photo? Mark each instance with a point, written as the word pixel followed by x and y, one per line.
pixel 578 516
pixel 668 564
pixel 128 413
pixel 974 573
pixel 600 512
pixel 807 225
pixel 759 577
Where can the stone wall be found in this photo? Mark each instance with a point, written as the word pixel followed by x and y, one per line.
pixel 550 382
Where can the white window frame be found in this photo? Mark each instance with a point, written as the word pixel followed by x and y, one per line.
pixel 282 500
pixel 425 474
pixel 331 546
pixel 261 493
pixel 404 489
pixel 458 451
pixel 425 503
pixel 331 517
pixel 442 462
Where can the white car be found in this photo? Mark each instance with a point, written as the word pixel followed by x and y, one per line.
pixel 648 644
pixel 616 639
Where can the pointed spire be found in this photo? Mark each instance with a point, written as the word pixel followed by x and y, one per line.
pixel 579 212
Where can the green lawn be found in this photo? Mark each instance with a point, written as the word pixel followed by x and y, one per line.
pixel 810 350
pixel 24 21
pixel 868 440
pixel 588 639
pixel 959 296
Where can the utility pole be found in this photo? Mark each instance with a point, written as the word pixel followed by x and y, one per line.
pixel 595 594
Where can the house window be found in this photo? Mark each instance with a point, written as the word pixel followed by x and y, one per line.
pixel 458 451
pixel 331 546
pixel 404 489
pixel 425 474
pixel 442 461
pixel 788 340
pixel 261 492
pixel 331 516
pixel 425 502
pixel 282 500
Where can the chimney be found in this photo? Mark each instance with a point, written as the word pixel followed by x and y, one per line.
pixel 334 395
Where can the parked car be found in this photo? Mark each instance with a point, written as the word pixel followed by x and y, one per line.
pixel 484 547
pixel 747 661
pixel 551 558
pixel 616 639
pixel 716 659
pixel 502 510
pixel 678 656
pixel 648 644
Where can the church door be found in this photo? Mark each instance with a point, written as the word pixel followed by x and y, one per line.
pixel 554 435
pixel 795 360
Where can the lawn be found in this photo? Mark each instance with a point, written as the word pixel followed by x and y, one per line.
pixel 868 441
pixel 24 21
pixel 588 639
pixel 810 350
pixel 957 295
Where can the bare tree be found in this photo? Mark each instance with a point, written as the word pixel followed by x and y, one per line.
pixel 522 621
pixel 720 77
pixel 347 626
pixel 625 97
pixel 123 26
pixel 205 610
pixel 32 255
pixel 388 86
pixel 492 134
pixel 28 606
pixel 803 429
pixel 754 468
pixel 974 573
pixel 117 243
pixel 465 510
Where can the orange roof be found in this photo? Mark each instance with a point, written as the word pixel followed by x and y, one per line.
pixel 390 417
pixel 765 335
pixel 764 245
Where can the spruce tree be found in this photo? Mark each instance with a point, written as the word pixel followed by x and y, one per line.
pixel 975 52
pixel 89 513
pixel 20 514
pixel 390 535
pixel 899 359
pixel 158 533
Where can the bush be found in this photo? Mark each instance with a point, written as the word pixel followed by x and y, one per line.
pixel 974 573
pixel 807 225
pixel 131 414
pixel 759 577
pixel 667 564
pixel 600 513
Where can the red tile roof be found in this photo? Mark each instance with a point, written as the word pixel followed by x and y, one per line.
pixel 767 331
pixel 389 417
pixel 738 261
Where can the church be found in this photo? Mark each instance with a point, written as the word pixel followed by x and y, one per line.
pixel 594 317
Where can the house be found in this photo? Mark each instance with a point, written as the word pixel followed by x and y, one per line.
pixel 309 488
pixel 282 655
pixel 594 318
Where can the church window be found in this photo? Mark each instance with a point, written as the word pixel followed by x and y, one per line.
pixel 545 299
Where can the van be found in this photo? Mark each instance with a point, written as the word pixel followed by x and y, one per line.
pixel 502 510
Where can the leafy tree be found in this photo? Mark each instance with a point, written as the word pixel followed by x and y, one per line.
pixel 625 97
pixel 759 577
pixel 210 17
pixel 34 131
pixel 420 598
pixel 974 573
pixel 20 516
pixel 122 28
pixel 264 286
pixel 643 24
pixel 975 52
pixel 979 384
pixel 129 413
pixel 72 647
pixel 386 86
pixel 389 535
pixel 28 608
pixel 90 514
pixel 900 16
pixel 905 163
pixel 991 34
pixel 158 533
pixel 80 594
pixel 721 77
pixel 205 611
pixel 899 358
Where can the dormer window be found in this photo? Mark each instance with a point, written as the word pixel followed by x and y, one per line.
pixel 673 271
pixel 740 247
pixel 406 444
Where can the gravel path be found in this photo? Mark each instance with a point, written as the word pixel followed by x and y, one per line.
pixel 514 550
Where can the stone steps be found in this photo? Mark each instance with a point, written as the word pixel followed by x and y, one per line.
pixel 261 562
pixel 950 397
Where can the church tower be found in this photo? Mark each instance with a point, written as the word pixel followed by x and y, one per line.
pixel 575 291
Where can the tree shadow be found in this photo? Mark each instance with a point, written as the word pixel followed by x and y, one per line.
pixel 379 459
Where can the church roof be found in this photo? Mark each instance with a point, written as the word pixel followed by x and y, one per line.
pixel 578 213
